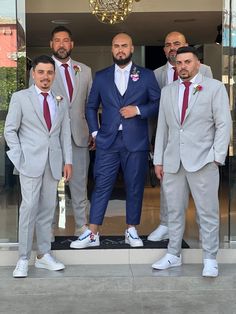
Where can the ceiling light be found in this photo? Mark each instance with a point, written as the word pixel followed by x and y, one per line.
pixel 111 11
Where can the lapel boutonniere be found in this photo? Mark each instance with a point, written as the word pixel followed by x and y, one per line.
pixel 197 88
pixel 135 74
pixel 58 99
pixel 77 69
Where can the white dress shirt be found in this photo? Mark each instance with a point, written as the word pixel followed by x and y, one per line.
pixel 62 72
pixel 51 102
pixel 181 93
pixel 170 73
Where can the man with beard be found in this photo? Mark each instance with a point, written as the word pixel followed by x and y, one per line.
pixel 129 95
pixel 73 81
pixel 165 75
pixel 192 138
pixel 37 131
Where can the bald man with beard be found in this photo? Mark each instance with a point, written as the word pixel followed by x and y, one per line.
pixel 165 75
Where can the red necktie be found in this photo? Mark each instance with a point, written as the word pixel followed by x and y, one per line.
pixel 46 111
pixel 68 80
pixel 175 75
pixel 185 100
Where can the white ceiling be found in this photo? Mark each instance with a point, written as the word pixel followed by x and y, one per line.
pixel 148 28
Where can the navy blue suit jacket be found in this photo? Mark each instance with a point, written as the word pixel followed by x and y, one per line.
pixel 143 93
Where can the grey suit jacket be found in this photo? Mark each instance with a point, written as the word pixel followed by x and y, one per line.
pixel 30 142
pixel 161 74
pixel 204 135
pixel 82 85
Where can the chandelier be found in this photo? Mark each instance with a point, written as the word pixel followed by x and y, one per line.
pixel 111 11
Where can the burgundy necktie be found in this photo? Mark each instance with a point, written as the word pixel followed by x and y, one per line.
pixel 185 100
pixel 68 80
pixel 175 75
pixel 46 111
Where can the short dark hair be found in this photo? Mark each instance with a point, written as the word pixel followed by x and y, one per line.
pixel 61 28
pixel 42 59
pixel 188 49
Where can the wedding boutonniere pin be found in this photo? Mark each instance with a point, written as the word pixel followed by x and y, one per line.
pixel 58 99
pixel 77 69
pixel 135 75
pixel 197 88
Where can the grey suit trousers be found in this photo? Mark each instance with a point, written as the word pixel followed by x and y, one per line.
pixel 203 185
pixel 78 184
pixel 36 212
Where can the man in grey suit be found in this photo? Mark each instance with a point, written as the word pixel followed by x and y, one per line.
pixel 192 139
pixel 37 131
pixel 73 80
pixel 165 75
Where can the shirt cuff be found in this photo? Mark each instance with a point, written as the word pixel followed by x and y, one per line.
pixel 94 134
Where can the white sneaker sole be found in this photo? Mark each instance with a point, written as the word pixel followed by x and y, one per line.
pixel 210 275
pixel 155 239
pixel 160 267
pixel 133 245
pixel 44 266
pixel 78 245
pixel 15 275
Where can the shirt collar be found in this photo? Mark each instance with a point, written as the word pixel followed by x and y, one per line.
pixel 127 68
pixel 39 91
pixel 170 66
pixel 59 63
pixel 192 80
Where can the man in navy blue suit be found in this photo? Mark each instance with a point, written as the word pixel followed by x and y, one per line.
pixel 129 95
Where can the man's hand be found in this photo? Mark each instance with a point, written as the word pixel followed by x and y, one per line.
pixel 67 172
pixel 91 143
pixel 128 112
pixel 159 171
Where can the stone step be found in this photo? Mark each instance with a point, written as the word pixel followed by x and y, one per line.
pixel 9 256
pixel 89 279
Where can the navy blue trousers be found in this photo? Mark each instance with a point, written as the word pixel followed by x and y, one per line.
pixel 107 164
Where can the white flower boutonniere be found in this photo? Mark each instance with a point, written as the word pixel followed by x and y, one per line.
pixel 58 99
pixel 77 69
pixel 135 75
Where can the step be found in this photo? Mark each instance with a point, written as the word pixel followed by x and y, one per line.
pixel 83 279
pixel 9 256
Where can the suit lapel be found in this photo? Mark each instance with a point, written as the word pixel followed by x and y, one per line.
pixel 164 80
pixel 131 82
pixel 59 82
pixel 76 76
pixel 33 97
pixel 194 95
pixel 175 97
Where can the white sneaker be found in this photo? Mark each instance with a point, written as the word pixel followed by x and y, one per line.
pixel 87 239
pixel 21 269
pixel 48 262
pixel 210 268
pixel 132 238
pixel 167 261
pixel 80 230
pixel 160 233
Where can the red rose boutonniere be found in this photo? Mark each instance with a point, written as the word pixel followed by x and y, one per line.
pixel 77 69
pixel 197 88
pixel 135 75
pixel 58 99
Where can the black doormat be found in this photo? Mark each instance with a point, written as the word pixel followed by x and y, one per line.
pixel 112 242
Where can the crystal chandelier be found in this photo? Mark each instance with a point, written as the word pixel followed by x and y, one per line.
pixel 111 11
